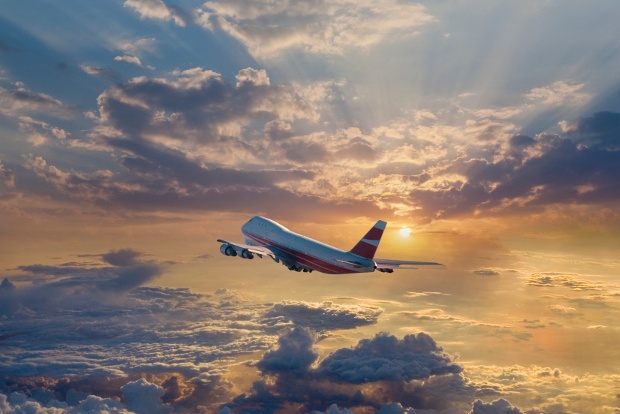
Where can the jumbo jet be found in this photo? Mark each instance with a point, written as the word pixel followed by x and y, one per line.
pixel 265 237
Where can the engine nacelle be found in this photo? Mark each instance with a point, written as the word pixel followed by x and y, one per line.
pixel 246 254
pixel 386 270
pixel 228 250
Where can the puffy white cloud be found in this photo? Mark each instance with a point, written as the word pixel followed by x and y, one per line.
pixel 132 60
pixel 156 9
pixel 143 397
pixel 253 77
pixel 18 403
pixel 558 93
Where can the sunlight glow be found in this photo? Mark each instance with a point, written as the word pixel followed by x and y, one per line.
pixel 405 231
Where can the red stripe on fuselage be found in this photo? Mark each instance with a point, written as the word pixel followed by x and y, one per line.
pixel 303 258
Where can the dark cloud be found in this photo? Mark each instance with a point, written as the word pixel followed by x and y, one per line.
pixel 21 99
pixel 168 194
pixel 324 316
pixel 121 257
pixel 278 130
pixel 126 273
pixel 580 167
pixel 486 272
pixel 294 353
pixel 58 332
pixel 168 167
pixel 303 152
pixel 387 358
pixel 119 327
pixel 6 285
pixel 500 406
pixel 521 141
pixel 383 373
pixel 601 129
pixel 197 105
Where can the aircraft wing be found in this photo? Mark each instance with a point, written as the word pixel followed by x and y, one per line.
pixel 402 264
pixel 257 250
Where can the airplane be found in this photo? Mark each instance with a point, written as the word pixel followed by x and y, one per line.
pixel 265 237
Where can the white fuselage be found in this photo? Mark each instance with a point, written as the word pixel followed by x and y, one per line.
pixel 301 250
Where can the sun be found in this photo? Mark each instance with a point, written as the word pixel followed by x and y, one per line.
pixel 405 231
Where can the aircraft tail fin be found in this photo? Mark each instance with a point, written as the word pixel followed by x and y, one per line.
pixel 367 247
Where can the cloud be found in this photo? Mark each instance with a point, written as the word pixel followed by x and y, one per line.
pixel 19 403
pixel 191 140
pixel 599 130
pixel 383 373
pixel 535 389
pixel 157 9
pixel 125 273
pixel 500 406
pixel 143 397
pixel 132 60
pixel 455 321
pixel 554 279
pixel 414 295
pixel 56 331
pixel 137 46
pixel 294 353
pixel 325 316
pixel 196 105
pixel 122 257
pixel 558 93
pixel 486 272
pixel 534 173
pixel 100 71
pixel 6 285
pixel 268 29
pixel 220 189
pixel 386 358
pixel 173 135
pixel 19 100
pixel 7 176
pixel 563 310
pixel 101 312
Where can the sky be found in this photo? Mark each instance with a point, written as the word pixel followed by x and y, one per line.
pixel 135 133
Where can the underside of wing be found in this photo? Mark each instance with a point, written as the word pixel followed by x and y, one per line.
pixel 247 251
pixel 388 264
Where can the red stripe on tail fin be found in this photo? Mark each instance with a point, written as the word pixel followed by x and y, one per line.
pixel 367 247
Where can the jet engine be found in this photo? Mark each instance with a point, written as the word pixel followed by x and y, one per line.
pixel 246 254
pixel 228 250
